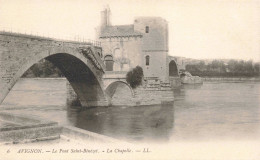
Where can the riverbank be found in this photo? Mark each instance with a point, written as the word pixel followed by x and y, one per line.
pixel 204 78
pixel 17 126
pixel 231 79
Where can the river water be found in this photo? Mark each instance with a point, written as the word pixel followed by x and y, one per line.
pixel 214 110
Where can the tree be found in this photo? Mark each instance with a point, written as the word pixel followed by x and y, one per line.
pixel 43 68
pixel 257 67
pixel 135 76
pixel 249 66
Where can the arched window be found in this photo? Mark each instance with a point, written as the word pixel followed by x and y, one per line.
pixel 147 60
pixel 147 29
pixel 109 62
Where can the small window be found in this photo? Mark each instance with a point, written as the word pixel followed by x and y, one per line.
pixel 147 60
pixel 147 29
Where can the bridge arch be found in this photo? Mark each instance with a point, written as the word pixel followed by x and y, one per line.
pixel 111 88
pixel 82 74
pixel 173 69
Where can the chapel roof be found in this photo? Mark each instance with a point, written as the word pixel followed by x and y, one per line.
pixel 119 31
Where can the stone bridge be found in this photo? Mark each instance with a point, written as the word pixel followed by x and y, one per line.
pixel 174 67
pixel 120 93
pixel 81 63
pixel 116 81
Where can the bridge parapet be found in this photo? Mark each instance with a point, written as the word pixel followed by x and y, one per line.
pixel 68 39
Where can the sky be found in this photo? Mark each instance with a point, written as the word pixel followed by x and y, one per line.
pixel 200 29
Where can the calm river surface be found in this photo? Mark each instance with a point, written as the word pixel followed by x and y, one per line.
pixel 214 110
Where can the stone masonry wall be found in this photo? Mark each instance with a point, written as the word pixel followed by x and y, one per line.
pixel 175 82
pixel 126 51
pixel 154 91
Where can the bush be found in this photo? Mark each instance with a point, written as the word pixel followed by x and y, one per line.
pixel 135 77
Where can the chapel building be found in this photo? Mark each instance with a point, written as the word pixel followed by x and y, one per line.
pixel 143 43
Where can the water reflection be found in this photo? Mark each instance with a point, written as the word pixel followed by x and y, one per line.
pixel 179 93
pixel 222 110
pixel 217 111
pixel 130 123
pixel 191 86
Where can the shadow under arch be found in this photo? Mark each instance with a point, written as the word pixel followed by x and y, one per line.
pixel 111 88
pixel 75 67
pixel 173 69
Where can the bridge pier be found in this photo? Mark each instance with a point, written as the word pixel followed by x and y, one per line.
pixel 73 99
pixel 175 82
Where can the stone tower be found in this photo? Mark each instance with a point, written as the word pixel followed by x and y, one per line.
pixel 154 45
